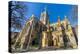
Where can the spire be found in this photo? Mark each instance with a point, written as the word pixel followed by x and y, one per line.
pixel 58 18
pixel 66 20
pixel 32 17
pixel 65 17
pixel 59 23
pixel 44 17
pixel 45 9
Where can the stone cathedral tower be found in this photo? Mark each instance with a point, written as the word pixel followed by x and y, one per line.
pixel 45 33
pixel 44 17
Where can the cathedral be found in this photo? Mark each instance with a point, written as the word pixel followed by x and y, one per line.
pixel 58 34
pixel 42 34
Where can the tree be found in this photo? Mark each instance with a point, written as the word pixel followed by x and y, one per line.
pixel 17 12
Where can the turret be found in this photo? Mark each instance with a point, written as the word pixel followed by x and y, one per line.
pixel 44 17
pixel 59 23
pixel 66 20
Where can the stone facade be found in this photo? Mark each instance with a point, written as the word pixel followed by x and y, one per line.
pixel 55 35
pixel 58 34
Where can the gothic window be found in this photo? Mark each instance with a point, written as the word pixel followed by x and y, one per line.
pixel 67 26
pixel 60 35
pixel 55 29
pixel 62 26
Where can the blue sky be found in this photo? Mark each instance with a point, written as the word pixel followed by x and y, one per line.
pixel 54 10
